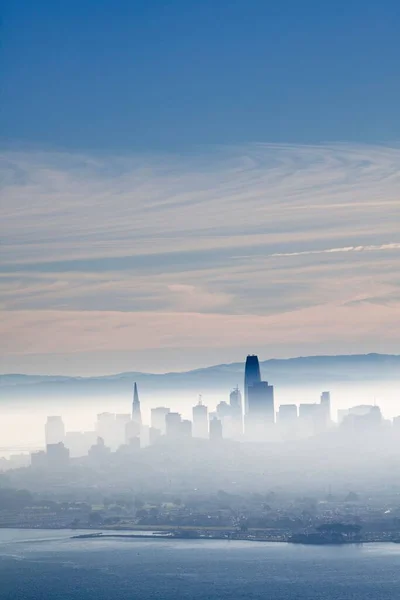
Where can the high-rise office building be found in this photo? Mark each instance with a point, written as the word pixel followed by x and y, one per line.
pixel 173 422
pixel 235 401
pixel 396 425
pixel 129 450
pixel 224 414
pixel 287 421
pixel 54 430
pixel 99 452
pixel 136 411
pixel 375 416
pixel 105 428
pixel 326 407
pixel 121 421
pixel 223 410
pixel 158 418
pixel 362 419
pixel 57 455
pixel 308 411
pixel 154 435
pixel 132 432
pixel 287 414
pixel 186 428
pixel 39 460
pixel 200 421
pixel 260 417
pixel 261 401
pixel 251 375
pixel 79 442
pixel 215 430
pixel 312 419
pixel 144 436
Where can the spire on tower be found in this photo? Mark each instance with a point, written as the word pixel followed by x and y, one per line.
pixel 136 412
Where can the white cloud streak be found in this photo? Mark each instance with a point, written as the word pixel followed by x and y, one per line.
pixel 370 248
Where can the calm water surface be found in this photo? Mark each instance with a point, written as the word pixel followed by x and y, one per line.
pixel 36 565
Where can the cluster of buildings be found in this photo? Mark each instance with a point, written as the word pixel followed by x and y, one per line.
pixel 254 420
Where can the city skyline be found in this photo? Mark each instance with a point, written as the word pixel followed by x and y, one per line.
pixel 259 419
pixel 301 445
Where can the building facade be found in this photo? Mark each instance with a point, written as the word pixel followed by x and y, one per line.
pixel 252 375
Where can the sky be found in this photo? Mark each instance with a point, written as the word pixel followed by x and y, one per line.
pixel 184 183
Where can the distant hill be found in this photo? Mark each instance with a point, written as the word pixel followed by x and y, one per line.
pixel 308 370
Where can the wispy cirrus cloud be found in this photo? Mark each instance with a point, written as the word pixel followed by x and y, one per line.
pixel 258 232
pixel 370 248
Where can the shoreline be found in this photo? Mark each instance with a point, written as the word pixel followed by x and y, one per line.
pixel 174 535
pixel 154 533
pixel 177 536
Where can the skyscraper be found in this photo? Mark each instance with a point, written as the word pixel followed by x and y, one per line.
pixel 215 430
pixel 224 414
pixel 186 428
pixel 235 401
pixel 311 419
pixel 260 417
pixel 251 375
pixel 132 432
pixel 173 422
pixel 57 455
pixel 136 412
pixel 99 453
pixel 223 410
pixel 261 401
pixel 121 421
pixel 326 407
pixel 158 418
pixel 105 428
pixel 54 430
pixel 287 421
pixel 287 414
pixel 79 442
pixel 200 420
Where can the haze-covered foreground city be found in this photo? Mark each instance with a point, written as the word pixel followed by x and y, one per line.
pixel 246 469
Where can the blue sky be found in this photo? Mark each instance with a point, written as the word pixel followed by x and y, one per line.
pixel 161 76
pixel 186 182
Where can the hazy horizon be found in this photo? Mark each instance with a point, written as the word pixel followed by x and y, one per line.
pixel 206 365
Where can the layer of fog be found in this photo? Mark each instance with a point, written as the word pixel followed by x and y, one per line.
pixel 22 422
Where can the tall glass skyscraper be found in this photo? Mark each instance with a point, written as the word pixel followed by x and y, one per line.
pixel 251 375
pixel 260 419
pixel 261 402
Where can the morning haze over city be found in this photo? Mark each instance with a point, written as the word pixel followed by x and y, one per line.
pixel 200 300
